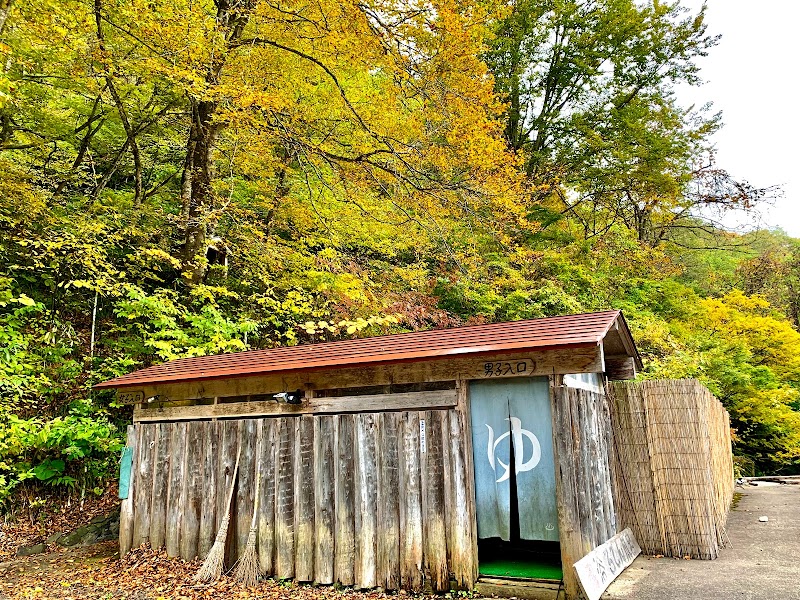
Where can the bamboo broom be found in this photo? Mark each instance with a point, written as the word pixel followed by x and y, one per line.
pixel 248 568
pixel 212 566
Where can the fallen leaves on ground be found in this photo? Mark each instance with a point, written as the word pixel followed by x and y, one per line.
pixel 98 572
pixel 34 527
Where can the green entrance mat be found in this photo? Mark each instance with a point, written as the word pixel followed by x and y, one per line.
pixel 539 567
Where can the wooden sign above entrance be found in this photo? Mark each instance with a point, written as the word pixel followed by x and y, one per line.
pixel 518 367
pixel 603 565
pixel 130 397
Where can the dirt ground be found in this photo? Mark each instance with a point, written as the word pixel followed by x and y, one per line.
pixel 762 561
pixel 97 572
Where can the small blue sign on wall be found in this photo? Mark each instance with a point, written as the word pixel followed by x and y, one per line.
pixel 125 466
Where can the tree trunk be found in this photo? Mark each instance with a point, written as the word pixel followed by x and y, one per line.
pixel 130 132
pixel 5 9
pixel 198 195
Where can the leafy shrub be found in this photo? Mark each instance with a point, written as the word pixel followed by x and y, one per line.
pixel 74 454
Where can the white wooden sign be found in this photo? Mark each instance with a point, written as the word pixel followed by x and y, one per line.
pixel 603 565
pixel 423 437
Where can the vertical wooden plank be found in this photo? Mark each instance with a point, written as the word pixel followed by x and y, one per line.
pixel 583 466
pixel 435 544
pixel 158 503
pixel 569 525
pixel 594 462
pixel 229 431
pixel 602 428
pixel 126 511
pixel 324 498
pixel 304 500
pixel 411 575
pixel 608 465
pixel 388 502
pixel 246 485
pixel 177 451
pixel 266 503
pixel 144 483
pixel 366 495
pixel 463 409
pixel 344 548
pixel 284 503
pixel 461 534
pixel 447 470
pixel 208 507
pixel 190 529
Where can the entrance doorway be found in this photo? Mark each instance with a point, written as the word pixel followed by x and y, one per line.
pixel 515 479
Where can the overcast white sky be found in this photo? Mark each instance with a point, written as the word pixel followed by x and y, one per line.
pixel 753 77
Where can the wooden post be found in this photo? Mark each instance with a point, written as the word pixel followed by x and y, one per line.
pixel 366 495
pixel 324 497
pixel 463 506
pixel 388 502
pixel 177 476
pixel 190 529
pixel 246 486
pixel 304 500
pixel 463 408
pixel 225 480
pixel 344 548
pixel 433 510
pixel 144 483
pixel 266 512
pixel 566 493
pixel 158 504
pixel 208 516
pixel 126 512
pixel 284 499
pixel 410 505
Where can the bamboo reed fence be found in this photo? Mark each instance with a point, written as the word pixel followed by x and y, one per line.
pixel 673 466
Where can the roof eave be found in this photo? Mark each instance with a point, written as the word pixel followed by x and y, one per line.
pixel 627 339
pixel 110 384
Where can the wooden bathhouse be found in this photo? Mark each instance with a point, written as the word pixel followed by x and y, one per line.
pixel 419 461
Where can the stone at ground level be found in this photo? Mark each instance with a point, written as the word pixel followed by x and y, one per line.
pixel 53 538
pixel 31 550
pixel 99 529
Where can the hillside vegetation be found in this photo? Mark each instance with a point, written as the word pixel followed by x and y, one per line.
pixel 183 178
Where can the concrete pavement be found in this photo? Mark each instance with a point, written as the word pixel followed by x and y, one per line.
pixel 762 561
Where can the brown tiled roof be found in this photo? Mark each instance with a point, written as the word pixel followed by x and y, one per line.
pixel 533 334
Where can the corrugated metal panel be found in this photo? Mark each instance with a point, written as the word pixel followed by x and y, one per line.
pixel 533 334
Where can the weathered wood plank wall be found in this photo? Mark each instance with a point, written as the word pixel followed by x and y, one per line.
pixel 371 499
pixel 582 438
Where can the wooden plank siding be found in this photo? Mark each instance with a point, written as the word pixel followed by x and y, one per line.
pixel 355 499
pixel 581 436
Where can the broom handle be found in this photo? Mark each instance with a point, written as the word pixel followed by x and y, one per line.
pixel 233 480
pixel 255 503
pixel 259 441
